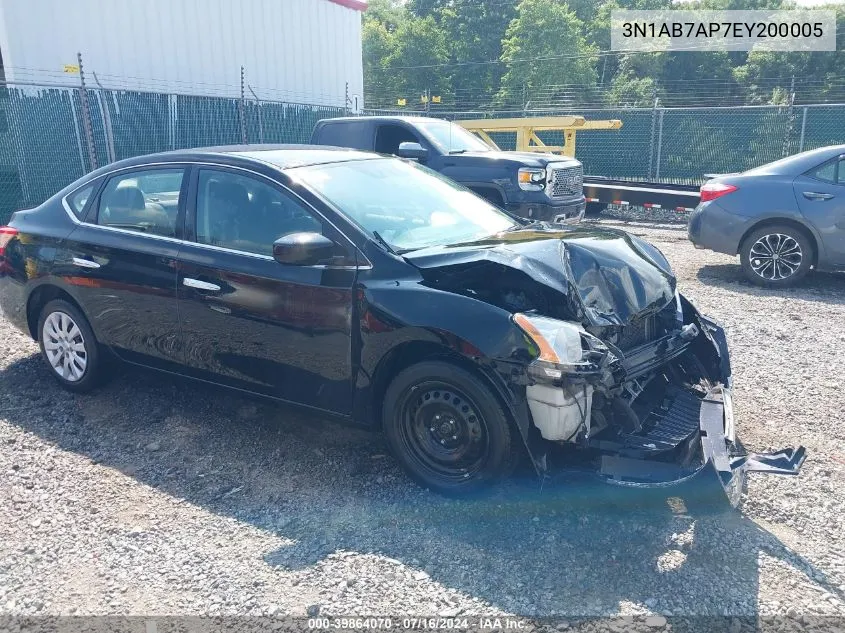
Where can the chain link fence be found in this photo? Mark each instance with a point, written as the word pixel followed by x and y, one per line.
pixel 51 136
pixel 48 141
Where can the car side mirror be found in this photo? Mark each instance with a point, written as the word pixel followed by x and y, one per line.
pixel 303 249
pixel 408 149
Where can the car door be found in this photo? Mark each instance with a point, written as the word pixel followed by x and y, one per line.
pixel 821 198
pixel 249 321
pixel 120 263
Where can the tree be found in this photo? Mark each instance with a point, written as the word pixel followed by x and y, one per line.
pixel 548 53
pixel 378 45
pixel 418 59
pixel 426 8
pixel 636 82
pixel 544 50
pixel 390 13
pixel 378 41
pixel 474 32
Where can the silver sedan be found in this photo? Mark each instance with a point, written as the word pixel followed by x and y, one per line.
pixel 782 219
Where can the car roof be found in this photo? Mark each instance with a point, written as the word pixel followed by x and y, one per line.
pixel 383 119
pixel 799 163
pixel 279 156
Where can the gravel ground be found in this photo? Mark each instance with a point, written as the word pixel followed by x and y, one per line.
pixel 154 496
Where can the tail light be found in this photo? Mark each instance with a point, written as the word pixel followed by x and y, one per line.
pixel 7 233
pixel 713 190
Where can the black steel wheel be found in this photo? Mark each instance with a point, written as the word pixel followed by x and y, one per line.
pixel 776 256
pixel 447 428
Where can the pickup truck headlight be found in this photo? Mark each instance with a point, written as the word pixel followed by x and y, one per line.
pixel 531 178
pixel 558 344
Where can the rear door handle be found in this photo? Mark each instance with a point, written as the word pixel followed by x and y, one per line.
pixel 200 285
pixel 85 263
pixel 815 195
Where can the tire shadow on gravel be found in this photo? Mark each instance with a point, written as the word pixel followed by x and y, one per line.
pixel 576 548
pixel 817 286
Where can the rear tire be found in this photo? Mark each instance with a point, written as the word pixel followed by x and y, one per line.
pixel 68 346
pixel 447 429
pixel 776 256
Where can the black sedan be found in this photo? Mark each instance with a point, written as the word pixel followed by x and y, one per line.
pixel 378 291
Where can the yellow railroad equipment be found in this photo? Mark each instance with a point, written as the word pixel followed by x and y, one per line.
pixel 526 129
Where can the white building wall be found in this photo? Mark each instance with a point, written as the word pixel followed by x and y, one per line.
pixel 292 50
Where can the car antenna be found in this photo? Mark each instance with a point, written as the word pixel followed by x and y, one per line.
pixel 384 243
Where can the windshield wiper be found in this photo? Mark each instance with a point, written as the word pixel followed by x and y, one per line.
pixel 457 151
pixel 384 243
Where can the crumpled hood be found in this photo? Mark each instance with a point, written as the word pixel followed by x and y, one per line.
pixel 616 277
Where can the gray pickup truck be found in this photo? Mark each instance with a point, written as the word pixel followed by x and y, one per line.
pixel 531 185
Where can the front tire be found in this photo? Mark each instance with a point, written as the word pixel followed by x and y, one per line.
pixel 68 346
pixel 776 256
pixel 448 429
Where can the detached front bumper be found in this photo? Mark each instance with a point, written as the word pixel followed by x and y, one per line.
pixel 680 439
pixel 720 459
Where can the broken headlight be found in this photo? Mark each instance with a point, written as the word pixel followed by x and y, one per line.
pixel 560 346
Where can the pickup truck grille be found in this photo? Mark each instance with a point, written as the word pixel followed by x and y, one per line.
pixel 566 182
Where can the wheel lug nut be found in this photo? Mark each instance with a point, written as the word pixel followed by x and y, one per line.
pixel 442 441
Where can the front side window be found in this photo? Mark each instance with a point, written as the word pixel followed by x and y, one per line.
pixel 145 201
pixel 407 205
pixel 390 136
pixel 246 214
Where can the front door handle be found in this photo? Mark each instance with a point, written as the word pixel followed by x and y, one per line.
pixel 200 285
pixel 815 195
pixel 85 263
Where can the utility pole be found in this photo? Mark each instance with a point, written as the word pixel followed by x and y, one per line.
pixel 346 100
pixel 260 122
pixel 790 123
pixel 242 108
pixel 104 108
pixel 86 115
pixel 653 131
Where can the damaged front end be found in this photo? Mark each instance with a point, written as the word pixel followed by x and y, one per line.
pixel 621 371
pixel 648 413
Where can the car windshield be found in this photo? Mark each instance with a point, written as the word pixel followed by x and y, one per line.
pixel 408 206
pixel 451 138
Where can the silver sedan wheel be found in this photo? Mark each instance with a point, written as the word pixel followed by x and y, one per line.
pixel 64 346
pixel 775 256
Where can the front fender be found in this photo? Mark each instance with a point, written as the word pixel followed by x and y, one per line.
pixel 397 317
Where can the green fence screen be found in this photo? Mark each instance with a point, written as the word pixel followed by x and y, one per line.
pixel 44 135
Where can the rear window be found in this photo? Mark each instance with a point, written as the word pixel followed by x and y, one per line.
pixel 352 134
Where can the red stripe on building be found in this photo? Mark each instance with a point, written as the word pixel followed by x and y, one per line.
pixel 358 5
